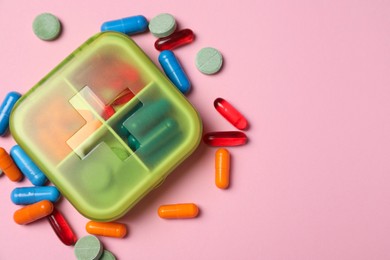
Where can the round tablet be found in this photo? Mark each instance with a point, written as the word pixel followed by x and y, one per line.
pixel 46 26
pixel 162 25
pixel 88 248
pixel 209 60
pixel 107 255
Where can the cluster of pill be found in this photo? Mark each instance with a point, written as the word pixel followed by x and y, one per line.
pixel 90 247
pixel 39 200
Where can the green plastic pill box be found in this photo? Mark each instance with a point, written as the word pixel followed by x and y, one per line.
pixel 106 126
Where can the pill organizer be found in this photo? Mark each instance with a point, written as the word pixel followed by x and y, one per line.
pixel 106 126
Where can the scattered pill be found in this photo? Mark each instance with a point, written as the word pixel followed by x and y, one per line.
pixel 30 195
pixel 174 71
pixel 9 167
pixel 174 40
pixel 108 229
pixel 162 25
pixel 88 248
pixel 230 113
pixel 222 168
pixel 107 255
pixel 27 166
pixel 229 138
pixel 62 228
pixel 129 25
pixel 186 210
pixel 5 110
pixel 46 27
pixel 208 60
pixel 33 212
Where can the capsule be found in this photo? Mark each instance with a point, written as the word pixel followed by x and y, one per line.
pixel 33 212
pixel 174 71
pixel 30 195
pixel 186 210
pixel 229 138
pixel 27 166
pixel 107 112
pixel 174 40
pixel 61 228
pixel 5 110
pixel 107 229
pixel 222 168
pixel 230 113
pixel 9 167
pixel 129 25
pixel 133 142
pixel 123 99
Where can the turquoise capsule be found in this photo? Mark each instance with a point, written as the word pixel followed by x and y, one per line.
pixel 30 195
pixel 174 71
pixel 27 166
pixel 129 25
pixel 5 110
pixel 147 117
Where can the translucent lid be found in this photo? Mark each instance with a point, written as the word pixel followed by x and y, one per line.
pixel 106 126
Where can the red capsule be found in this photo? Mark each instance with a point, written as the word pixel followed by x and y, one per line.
pixel 174 40
pixel 230 113
pixel 108 112
pixel 62 228
pixel 229 138
pixel 123 99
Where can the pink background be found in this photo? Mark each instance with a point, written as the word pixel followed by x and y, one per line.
pixel 313 79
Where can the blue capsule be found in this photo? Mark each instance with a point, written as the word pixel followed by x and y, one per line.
pixel 30 195
pixel 5 110
pixel 174 71
pixel 27 166
pixel 128 25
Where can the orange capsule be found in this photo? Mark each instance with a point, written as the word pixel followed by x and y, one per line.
pixel 9 167
pixel 186 210
pixel 33 212
pixel 222 168
pixel 107 229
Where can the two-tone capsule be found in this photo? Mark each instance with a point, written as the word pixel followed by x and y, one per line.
pixel 9 167
pixel 5 110
pixel 228 138
pixel 129 25
pixel 174 71
pixel 174 40
pixel 33 212
pixel 108 229
pixel 184 210
pixel 27 166
pixel 222 168
pixel 30 195
pixel 62 228
pixel 230 113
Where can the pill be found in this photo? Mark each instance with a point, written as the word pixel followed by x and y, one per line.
pixel 185 210
pixel 129 25
pixel 222 168
pixel 9 167
pixel 5 110
pixel 147 117
pixel 174 71
pixel 208 60
pixel 123 99
pixel 27 166
pixel 230 113
pixel 174 40
pixel 107 255
pixel 33 212
pixel 107 112
pixel 61 228
pixel 107 229
pixel 88 248
pixel 228 138
pixel 46 26
pixel 30 195
pixel 133 142
pixel 162 25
